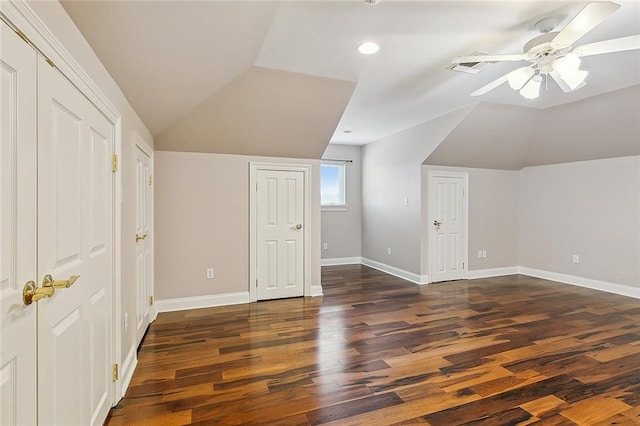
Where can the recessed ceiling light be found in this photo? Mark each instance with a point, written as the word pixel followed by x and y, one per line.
pixel 368 48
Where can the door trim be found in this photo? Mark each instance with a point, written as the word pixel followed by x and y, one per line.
pixel 431 217
pixel 253 169
pixel 20 15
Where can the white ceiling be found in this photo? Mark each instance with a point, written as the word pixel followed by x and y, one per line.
pixel 170 56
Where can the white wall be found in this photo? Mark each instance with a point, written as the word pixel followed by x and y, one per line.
pixel 59 23
pixel 493 217
pixel 202 221
pixel 341 229
pixel 391 172
pixel 589 208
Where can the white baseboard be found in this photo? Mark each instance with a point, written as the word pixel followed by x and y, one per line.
pixel 623 290
pixel 184 303
pixel 128 367
pixel 341 261
pixel 392 270
pixel 316 290
pixel 493 272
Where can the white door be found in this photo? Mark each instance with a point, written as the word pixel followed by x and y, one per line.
pixel 75 236
pixel 143 241
pixel 279 234
pixel 448 226
pixel 17 229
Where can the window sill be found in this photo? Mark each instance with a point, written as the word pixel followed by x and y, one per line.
pixel 333 208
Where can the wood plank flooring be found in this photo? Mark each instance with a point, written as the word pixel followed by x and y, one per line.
pixel 378 350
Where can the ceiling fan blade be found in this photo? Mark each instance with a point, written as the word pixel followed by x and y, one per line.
pixel 609 46
pixel 586 20
pixel 563 84
pixel 490 86
pixel 489 58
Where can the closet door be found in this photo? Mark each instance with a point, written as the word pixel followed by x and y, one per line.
pixel 17 229
pixel 75 237
pixel 143 241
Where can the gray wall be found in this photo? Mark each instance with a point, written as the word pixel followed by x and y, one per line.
pixel 391 172
pixel 341 229
pixel 589 208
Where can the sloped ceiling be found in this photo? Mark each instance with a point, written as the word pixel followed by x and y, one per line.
pixel 171 56
pixel 263 112
pixel 510 138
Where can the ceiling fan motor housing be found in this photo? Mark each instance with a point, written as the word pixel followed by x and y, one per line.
pixel 542 52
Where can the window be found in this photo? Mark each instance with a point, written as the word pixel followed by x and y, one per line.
pixel 332 185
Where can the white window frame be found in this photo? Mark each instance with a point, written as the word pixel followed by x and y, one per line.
pixel 343 168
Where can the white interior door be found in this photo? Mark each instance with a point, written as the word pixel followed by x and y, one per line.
pixel 75 237
pixel 280 234
pixel 448 226
pixel 17 229
pixel 143 241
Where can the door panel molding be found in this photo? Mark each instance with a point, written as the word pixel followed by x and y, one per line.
pixel 254 167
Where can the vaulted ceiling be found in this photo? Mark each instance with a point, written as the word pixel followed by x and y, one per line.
pixel 604 126
pixel 188 67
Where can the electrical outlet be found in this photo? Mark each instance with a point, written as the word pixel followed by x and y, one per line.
pixel 406 201
pixel 484 254
pixel 325 246
pixel 479 254
pixel 388 250
pixel 126 321
pixel 210 273
pixel 576 258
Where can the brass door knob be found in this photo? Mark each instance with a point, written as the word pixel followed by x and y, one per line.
pixel 31 293
pixel 48 281
pixel 299 226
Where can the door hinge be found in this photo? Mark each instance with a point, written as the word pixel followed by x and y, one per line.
pixel 114 163
pixel 150 179
pixel 256 283
pixel 114 372
pixel 22 36
pixel 462 265
pixel 150 300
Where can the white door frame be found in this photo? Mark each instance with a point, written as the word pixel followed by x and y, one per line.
pixel 432 217
pixel 20 14
pixel 253 169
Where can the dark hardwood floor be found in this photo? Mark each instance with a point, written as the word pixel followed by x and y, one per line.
pixel 378 350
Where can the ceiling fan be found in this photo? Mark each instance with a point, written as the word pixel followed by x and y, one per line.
pixel 552 54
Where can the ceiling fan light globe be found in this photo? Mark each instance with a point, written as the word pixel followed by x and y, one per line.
pixel 531 90
pixel 574 79
pixel 569 63
pixel 519 77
